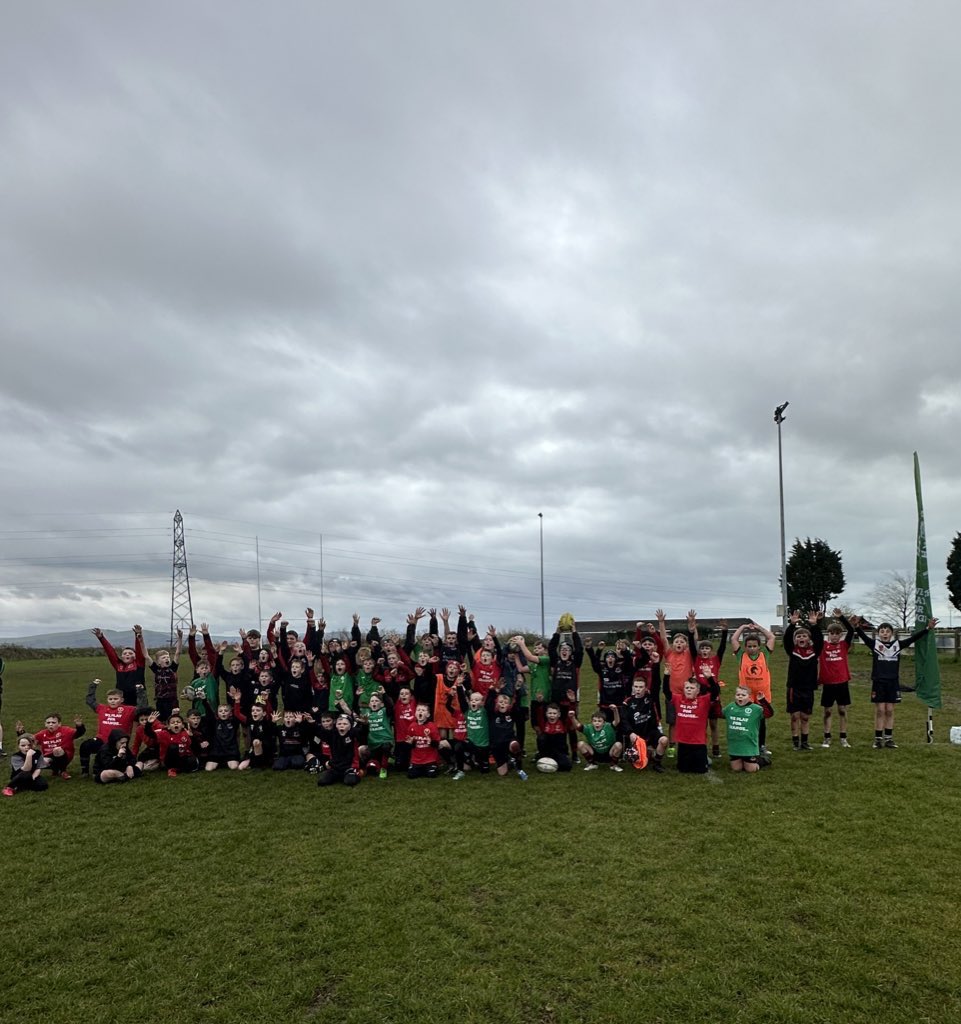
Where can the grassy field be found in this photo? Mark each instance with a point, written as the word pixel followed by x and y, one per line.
pixel 823 890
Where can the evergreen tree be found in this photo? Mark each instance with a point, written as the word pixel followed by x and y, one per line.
pixel 954 572
pixel 814 575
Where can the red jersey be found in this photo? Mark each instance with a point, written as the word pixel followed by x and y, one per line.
pixel 62 736
pixel 484 676
pixel 404 718
pixel 145 740
pixel 554 728
pixel 109 718
pixel 424 739
pixel 691 718
pixel 168 739
pixel 833 663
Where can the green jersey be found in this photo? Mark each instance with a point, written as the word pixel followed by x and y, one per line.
pixel 743 729
pixel 206 686
pixel 540 680
pixel 380 731
pixel 367 685
pixel 599 740
pixel 478 732
pixel 345 684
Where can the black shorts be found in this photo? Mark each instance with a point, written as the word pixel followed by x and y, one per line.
pixel 835 693
pixel 886 692
pixel 692 758
pixel 501 752
pixel 742 757
pixel 599 758
pixel 800 701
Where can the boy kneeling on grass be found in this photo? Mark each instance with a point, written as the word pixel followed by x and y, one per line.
pixel 744 718
pixel 600 744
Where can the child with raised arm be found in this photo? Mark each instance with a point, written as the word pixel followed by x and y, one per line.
pixel 803 646
pixel 834 676
pixel 130 666
pixel 743 718
pixel 707 665
pixel 114 715
pixel 886 652
pixel 566 658
pixel 164 668
pixel 753 670
pixel 25 768
pixel 613 678
pixel 600 744
pixel 678 667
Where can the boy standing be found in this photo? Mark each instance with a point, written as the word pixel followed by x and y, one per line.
pixel 885 675
pixel 803 645
pixel 835 675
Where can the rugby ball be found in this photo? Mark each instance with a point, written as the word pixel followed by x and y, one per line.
pixel 547 765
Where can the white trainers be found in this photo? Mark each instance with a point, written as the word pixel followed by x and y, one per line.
pixel 845 744
pixel 616 768
pixel 826 744
pixel 590 767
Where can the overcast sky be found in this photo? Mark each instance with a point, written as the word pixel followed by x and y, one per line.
pixel 408 274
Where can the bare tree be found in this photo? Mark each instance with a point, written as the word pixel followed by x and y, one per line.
pixel 893 600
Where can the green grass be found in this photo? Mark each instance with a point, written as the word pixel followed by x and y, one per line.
pixel 822 890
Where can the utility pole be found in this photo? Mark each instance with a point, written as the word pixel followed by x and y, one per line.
pixel 779 419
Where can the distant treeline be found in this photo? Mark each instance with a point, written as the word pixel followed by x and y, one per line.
pixel 13 652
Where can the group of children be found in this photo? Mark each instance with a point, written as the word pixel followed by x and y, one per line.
pixel 454 700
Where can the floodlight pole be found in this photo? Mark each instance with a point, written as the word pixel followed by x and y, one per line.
pixel 779 419
pixel 540 516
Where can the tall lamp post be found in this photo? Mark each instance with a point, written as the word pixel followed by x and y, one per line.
pixel 779 419
pixel 540 516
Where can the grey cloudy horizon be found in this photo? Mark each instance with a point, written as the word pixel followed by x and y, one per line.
pixel 408 275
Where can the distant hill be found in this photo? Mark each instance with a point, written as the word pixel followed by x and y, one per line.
pixel 84 638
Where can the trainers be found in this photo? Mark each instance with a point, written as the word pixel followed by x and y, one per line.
pixel 382 774
pixel 522 775
pixel 590 767
pixel 3 753
pixel 890 744
pixel 171 773
pixel 457 776
pixel 65 775
pixel 616 768
pixel 715 751
pixel 671 752
pixel 577 759
pixel 8 791
pixel 878 744
pixel 845 744
pixel 805 746
pixel 826 745
pixel 658 767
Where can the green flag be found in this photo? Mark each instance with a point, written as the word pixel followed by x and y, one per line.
pixel 927 674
